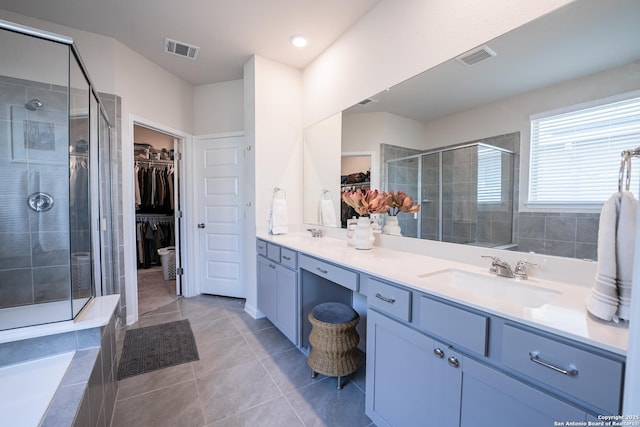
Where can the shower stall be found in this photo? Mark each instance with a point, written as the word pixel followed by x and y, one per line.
pixel 55 215
pixel 466 194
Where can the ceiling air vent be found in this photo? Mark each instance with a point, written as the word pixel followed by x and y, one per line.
pixel 181 49
pixel 366 101
pixel 476 55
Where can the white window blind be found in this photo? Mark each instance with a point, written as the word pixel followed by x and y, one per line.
pixel 489 175
pixel 575 156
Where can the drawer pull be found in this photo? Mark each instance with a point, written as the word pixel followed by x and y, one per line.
pixel 272 266
pixel 321 270
pixel 385 299
pixel 286 257
pixel 453 362
pixel 572 372
pixel 438 352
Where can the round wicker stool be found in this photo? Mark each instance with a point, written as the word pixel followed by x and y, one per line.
pixel 333 340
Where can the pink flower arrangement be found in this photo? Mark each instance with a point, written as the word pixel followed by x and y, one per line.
pixel 367 203
pixel 400 202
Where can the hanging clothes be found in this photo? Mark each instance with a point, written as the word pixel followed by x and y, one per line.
pixel 153 233
pixel 154 188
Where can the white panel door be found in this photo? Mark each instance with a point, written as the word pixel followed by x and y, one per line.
pixel 219 163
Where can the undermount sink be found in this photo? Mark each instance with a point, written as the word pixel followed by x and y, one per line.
pixel 512 291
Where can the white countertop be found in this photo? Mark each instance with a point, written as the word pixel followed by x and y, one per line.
pixel 565 314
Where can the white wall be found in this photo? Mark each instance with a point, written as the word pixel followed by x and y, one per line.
pixel 366 131
pixel 218 108
pixel 273 129
pixel 321 166
pixel 399 39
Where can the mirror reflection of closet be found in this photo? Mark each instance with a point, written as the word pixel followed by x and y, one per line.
pixel 156 201
pixel 355 174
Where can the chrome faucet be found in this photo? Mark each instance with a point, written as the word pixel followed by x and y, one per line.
pixel 521 269
pixel 499 267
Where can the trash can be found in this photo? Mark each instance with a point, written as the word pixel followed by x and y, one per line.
pixel 168 261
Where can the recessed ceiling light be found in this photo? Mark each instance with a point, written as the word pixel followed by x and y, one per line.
pixel 298 40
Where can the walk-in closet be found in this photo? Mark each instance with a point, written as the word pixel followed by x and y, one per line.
pixel 155 177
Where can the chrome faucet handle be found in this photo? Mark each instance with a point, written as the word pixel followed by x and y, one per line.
pixel 315 232
pixel 521 269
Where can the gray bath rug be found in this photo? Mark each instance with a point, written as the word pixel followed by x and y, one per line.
pixel 155 347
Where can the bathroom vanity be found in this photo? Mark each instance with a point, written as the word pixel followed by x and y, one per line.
pixel 447 343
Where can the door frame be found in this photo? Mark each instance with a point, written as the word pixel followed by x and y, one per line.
pixel 129 213
pixel 192 237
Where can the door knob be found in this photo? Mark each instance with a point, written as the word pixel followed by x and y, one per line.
pixel 201 225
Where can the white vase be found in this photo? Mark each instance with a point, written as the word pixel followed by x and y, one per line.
pixel 363 235
pixel 391 226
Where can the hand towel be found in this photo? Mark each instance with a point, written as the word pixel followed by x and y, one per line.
pixel 279 216
pixel 625 247
pixel 327 213
pixel 611 292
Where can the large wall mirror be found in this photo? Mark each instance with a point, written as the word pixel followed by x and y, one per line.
pixel 456 138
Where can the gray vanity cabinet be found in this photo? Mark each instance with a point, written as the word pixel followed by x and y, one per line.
pixel 491 398
pixel 431 362
pixel 412 380
pixel 278 287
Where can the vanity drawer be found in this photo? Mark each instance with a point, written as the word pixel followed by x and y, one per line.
pixel 390 299
pixel 261 247
pixel 590 377
pixel 273 252
pixel 457 325
pixel 289 258
pixel 333 273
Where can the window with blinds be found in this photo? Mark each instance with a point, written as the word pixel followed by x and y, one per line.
pixel 575 156
pixel 489 175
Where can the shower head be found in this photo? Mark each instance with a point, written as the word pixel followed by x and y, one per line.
pixel 33 105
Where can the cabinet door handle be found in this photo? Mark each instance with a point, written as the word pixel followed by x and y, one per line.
pixel 533 356
pixel 272 266
pixel 321 270
pixel 286 257
pixel 453 362
pixel 385 299
pixel 438 352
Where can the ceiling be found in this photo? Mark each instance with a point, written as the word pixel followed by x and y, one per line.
pixel 579 39
pixel 228 32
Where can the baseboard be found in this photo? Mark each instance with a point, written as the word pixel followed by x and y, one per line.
pixel 253 311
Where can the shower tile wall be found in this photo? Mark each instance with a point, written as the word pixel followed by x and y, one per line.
pixel 43 238
pixel 572 235
pixel 31 239
pixel 403 178
pixel 430 200
pixel 459 195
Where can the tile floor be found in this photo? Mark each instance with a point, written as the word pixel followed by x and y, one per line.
pixel 153 291
pixel 249 374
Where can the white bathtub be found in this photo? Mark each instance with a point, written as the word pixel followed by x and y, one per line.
pixel 27 388
pixel 28 384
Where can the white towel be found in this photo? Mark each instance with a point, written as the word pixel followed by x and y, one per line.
pixel 328 213
pixel 279 217
pixel 611 293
